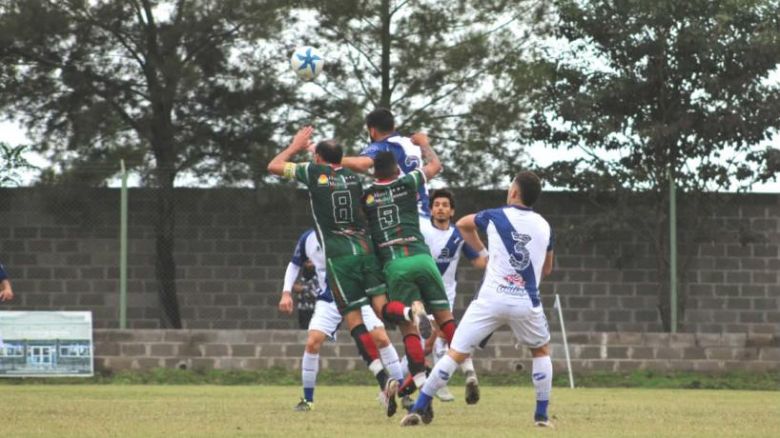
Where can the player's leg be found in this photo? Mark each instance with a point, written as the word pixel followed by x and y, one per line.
pixel 387 352
pixel 439 350
pixel 324 322
pixel 530 329
pixel 478 322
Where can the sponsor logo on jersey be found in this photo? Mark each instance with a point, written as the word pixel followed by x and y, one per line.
pixel 514 285
pixel 322 180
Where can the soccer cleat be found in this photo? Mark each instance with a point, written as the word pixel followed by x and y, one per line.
pixel 542 421
pixel 472 389
pixel 427 415
pixel 421 320
pixel 411 419
pixel 407 402
pixel 444 394
pixel 391 389
pixel 304 406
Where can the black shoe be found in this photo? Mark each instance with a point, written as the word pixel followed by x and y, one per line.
pixel 542 421
pixel 304 406
pixel 407 402
pixel 427 414
pixel 391 390
pixel 472 390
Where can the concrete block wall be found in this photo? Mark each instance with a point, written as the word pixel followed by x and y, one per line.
pixel 232 245
pixel 117 350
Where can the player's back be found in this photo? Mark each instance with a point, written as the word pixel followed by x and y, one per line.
pixel 393 219
pixel 518 242
pixel 407 155
pixel 335 194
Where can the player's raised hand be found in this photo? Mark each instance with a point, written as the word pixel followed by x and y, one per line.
pixel 286 303
pixel 420 139
pixel 302 139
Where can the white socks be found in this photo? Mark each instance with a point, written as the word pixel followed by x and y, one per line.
pixel 542 373
pixel 310 365
pixel 392 363
pixel 440 375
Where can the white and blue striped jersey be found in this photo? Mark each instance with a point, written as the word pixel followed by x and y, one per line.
pixel 446 247
pixel 407 155
pixel 308 248
pixel 518 241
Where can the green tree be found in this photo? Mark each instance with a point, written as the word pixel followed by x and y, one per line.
pixel 13 164
pixel 440 66
pixel 170 86
pixel 645 90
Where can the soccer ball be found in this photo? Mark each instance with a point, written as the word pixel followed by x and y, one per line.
pixel 307 62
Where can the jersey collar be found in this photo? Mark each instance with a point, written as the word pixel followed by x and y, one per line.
pixel 520 207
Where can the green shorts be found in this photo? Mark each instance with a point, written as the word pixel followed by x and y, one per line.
pixel 416 278
pixel 353 279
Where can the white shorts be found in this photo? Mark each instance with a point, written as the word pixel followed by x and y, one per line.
pixel 326 318
pixel 483 317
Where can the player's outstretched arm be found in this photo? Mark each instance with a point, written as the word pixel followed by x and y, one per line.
pixel 468 230
pixel 358 164
pixel 300 143
pixel 432 163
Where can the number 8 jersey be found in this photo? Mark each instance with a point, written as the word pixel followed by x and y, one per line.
pixel 335 193
pixel 391 207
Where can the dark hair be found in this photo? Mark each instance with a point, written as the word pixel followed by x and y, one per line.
pixel 442 193
pixel 530 187
pixel 385 166
pixel 381 119
pixel 330 151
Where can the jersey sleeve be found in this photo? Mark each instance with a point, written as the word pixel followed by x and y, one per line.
pixel 372 150
pixel 3 274
pixel 469 252
pixel 551 245
pixel 299 255
pixel 414 179
pixel 297 171
pixel 482 219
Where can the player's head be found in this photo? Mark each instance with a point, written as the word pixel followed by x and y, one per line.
pixel 385 166
pixel 442 205
pixel 380 122
pixel 525 189
pixel 328 151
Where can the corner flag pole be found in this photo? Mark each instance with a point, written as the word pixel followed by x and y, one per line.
pixel 565 341
pixel 123 250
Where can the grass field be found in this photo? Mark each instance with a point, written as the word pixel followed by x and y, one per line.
pixel 351 411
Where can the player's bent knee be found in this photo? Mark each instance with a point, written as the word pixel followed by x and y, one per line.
pixel 542 351
pixel 458 356
pixel 379 335
pixel 315 341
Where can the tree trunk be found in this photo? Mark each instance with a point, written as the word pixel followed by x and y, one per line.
pixel 165 268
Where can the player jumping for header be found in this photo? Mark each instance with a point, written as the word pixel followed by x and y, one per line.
pixel 353 271
pixel 520 243
pixel 410 272
pixel 407 151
